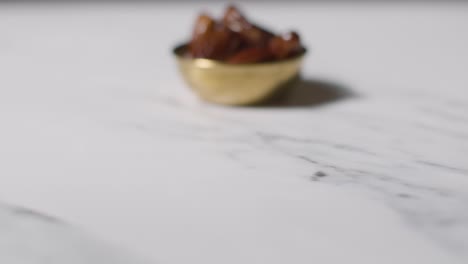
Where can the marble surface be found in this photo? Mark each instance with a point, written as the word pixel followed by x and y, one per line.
pixel 28 237
pixel 365 162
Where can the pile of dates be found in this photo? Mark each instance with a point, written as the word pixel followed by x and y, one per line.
pixel 235 40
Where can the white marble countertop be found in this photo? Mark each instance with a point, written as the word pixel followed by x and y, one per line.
pixel 28 237
pixel 98 129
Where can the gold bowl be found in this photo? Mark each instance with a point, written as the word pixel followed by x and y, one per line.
pixel 236 84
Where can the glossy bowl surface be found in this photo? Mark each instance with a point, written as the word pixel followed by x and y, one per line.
pixel 236 84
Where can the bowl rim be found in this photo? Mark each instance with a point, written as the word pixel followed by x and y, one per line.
pixel 177 50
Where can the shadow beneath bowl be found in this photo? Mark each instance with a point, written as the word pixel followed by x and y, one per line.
pixel 308 93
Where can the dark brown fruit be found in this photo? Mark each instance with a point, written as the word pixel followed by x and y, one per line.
pixel 203 24
pixel 251 55
pixel 235 20
pixel 234 39
pixel 253 36
pixel 213 41
pixel 285 46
